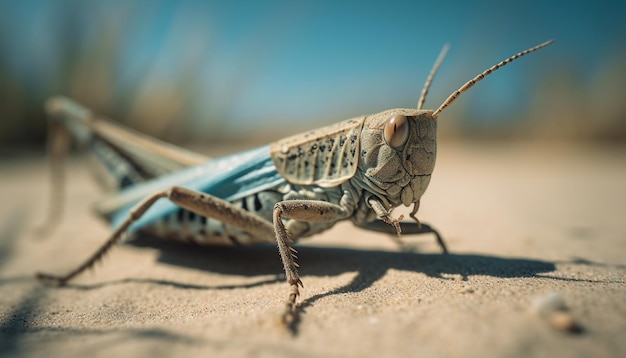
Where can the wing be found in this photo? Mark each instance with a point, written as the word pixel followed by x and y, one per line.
pixel 150 155
pixel 229 178
pixel 326 157
pixel 129 156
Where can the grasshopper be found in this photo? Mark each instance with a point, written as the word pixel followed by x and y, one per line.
pixel 358 170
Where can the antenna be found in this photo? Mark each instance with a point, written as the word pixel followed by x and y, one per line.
pixel 431 75
pixel 469 84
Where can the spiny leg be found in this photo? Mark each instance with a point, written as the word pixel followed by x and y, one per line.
pixel 385 215
pixel 302 210
pixel 135 213
pixel 417 228
pixel 197 202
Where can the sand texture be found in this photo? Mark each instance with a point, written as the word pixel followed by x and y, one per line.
pixel 524 223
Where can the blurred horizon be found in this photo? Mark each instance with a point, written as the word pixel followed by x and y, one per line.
pixel 200 71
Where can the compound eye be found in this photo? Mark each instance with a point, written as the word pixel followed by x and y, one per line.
pixel 396 131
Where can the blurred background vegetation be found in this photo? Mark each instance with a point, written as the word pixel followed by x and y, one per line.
pixel 253 71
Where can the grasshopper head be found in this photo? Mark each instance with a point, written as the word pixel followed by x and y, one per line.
pixel 399 146
pixel 398 152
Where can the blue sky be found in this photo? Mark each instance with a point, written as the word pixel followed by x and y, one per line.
pixel 283 61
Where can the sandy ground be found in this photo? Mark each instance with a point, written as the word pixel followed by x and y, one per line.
pixel 521 221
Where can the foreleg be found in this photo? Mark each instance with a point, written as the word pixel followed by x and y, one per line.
pixel 301 210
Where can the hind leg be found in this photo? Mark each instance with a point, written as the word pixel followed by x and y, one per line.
pixel 197 202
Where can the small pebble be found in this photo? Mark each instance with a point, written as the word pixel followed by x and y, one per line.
pixel 549 303
pixel 553 309
pixel 563 321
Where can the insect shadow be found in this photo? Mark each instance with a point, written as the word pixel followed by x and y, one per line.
pixel 370 265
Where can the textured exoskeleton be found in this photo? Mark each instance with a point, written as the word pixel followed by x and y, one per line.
pixel 358 170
